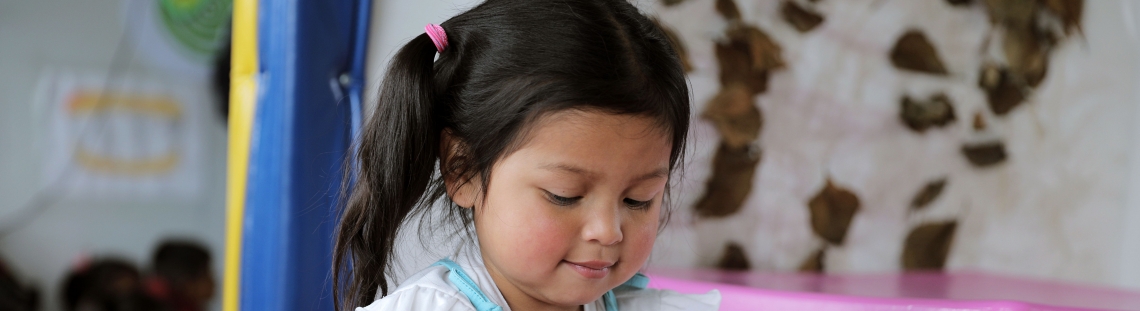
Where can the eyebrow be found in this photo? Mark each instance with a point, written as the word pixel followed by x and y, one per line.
pixel 658 173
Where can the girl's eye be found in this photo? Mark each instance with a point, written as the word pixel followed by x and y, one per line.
pixel 635 204
pixel 560 200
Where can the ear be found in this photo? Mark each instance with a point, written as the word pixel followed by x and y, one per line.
pixel 463 190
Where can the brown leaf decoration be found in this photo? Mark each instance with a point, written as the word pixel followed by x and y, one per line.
pixel 921 115
pixel 930 192
pixel 914 52
pixel 985 154
pixel 1012 13
pixel 730 183
pixel 1069 11
pixel 735 116
pixel 1027 51
pixel 1002 92
pixel 763 51
pixel 831 212
pixel 736 68
pixel 800 18
pixel 1027 44
pixel 734 258
pixel 814 263
pixel 747 57
pixel 678 46
pixel 928 246
pixel 727 8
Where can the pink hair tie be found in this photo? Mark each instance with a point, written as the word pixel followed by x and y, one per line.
pixel 437 36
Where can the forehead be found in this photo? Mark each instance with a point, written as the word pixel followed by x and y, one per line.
pixel 596 141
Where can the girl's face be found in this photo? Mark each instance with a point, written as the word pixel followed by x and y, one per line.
pixel 574 211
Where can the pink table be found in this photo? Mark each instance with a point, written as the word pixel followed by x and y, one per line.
pixel 911 291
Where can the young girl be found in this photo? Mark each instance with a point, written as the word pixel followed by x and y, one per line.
pixel 554 127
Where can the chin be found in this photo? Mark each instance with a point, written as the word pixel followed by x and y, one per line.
pixel 578 297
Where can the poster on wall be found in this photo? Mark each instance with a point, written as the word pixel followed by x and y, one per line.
pixel 129 137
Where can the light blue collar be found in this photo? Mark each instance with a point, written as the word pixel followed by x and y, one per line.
pixel 468 287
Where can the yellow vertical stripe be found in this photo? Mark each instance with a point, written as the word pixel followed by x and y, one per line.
pixel 243 99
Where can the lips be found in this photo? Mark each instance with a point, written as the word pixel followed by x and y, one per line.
pixel 591 269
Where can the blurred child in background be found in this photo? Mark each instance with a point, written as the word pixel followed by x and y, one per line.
pixel 181 277
pixel 106 285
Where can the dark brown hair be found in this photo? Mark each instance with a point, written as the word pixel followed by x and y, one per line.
pixel 508 63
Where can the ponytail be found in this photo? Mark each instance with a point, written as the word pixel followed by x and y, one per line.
pixel 397 153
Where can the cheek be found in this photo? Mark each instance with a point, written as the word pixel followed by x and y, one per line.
pixel 525 233
pixel 640 236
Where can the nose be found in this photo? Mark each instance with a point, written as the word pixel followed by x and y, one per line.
pixel 603 226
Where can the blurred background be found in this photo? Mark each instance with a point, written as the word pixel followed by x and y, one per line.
pixel 835 137
pixel 111 142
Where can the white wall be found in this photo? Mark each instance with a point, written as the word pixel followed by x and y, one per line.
pixel 1129 273
pixel 84 36
pixel 395 22
pixel 1055 209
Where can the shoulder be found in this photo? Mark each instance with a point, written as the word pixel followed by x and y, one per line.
pixel 658 299
pixel 427 290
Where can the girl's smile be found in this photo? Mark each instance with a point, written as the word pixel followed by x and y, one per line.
pixel 594 269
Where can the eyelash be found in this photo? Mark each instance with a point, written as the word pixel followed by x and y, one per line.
pixel 561 201
pixel 564 201
pixel 637 205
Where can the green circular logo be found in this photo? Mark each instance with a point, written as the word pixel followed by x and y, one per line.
pixel 199 26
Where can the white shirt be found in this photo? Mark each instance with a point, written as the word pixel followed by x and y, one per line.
pixel 430 289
